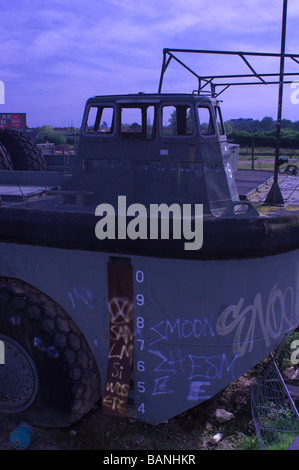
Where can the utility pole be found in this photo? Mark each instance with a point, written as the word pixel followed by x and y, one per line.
pixel 274 196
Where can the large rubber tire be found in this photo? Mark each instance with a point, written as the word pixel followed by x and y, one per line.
pixel 50 377
pixel 5 159
pixel 24 152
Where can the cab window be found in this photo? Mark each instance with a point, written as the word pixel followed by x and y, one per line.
pixel 206 125
pixel 137 122
pixel 100 120
pixel 219 121
pixel 177 121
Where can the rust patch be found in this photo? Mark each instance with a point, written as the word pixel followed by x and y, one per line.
pixel 120 295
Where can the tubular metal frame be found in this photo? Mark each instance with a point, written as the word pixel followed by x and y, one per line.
pixel 226 80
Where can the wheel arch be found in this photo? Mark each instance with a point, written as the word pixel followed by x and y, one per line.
pixel 24 153
pixel 27 310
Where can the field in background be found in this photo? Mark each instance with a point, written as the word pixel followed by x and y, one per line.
pixel 263 158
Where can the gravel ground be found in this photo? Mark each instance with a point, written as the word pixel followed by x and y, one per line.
pixel 192 430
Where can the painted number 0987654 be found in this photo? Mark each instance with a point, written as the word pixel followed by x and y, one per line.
pixel 141 367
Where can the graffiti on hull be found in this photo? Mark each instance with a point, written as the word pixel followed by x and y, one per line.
pixel 179 348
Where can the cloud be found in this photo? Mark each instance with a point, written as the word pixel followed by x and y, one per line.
pixel 66 50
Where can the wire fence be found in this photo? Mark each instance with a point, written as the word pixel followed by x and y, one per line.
pixel 275 415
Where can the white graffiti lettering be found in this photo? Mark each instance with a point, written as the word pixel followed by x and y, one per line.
pixel 254 322
pixel 120 355
pixel 196 392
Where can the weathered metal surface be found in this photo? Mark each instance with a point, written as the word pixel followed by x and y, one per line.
pixel 198 325
pixel 31 178
pixel 164 169
pixel 207 323
pixel 168 328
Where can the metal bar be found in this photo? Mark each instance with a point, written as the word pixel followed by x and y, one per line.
pixel 163 69
pixel 241 54
pixel 227 85
pixel 206 51
pixel 283 35
pixel 246 75
pixel 250 67
pixel 208 81
pixel 255 83
pixel 275 196
pixel 186 66
pixel 225 88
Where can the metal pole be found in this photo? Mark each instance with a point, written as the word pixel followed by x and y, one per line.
pixel 275 196
pixel 252 150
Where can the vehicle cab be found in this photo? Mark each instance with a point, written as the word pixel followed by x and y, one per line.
pixel 156 148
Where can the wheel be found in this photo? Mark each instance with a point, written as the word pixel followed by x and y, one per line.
pixel 24 152
pixel 5 159
pixel 49 377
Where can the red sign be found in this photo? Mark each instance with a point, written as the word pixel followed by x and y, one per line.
pixel 16 121
pixel 13 121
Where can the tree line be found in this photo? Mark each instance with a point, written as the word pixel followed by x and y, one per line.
pixel 248 132
pixel 245 132
pixel 55 135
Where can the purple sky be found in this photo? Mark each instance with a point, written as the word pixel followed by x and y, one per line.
pixel 55 55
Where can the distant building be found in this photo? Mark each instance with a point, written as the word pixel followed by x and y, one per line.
pixel 16 121
pixel 241 120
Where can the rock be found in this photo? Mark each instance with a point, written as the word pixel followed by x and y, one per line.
pixel 222 416
pixel 291 373
pixel 209 427
pixel 216 438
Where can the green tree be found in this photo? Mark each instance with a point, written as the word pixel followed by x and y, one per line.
pixel 48 134
pixel 267 123
pixel 228 128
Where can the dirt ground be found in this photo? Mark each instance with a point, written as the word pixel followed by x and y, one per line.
pixel 193 429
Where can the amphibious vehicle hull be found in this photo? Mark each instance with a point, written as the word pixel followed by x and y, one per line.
pixel 168 328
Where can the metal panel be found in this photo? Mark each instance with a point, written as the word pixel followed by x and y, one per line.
pixel 201 325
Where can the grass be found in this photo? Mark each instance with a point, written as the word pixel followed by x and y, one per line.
pixel 279 429
pixel 265 152
pixel 264 158
pixel 276 421
pixel 248 443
